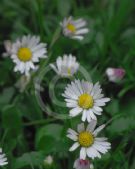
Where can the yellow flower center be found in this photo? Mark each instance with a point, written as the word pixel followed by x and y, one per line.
pixel 86 101
pixel 24 54
pixel 71 28
pixel 85 139
pixel 69 71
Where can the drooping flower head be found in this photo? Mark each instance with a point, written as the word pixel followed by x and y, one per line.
pixel 83 164
pixel 8 48
pixel 115 74
pixel 3 159
pixel 74 29
pixel 26 52
pixel 86 138
pixel 48 161
pixel 86 98
pixel 65 66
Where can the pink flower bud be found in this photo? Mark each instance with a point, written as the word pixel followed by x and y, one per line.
pixel 82 164
pixel 115 74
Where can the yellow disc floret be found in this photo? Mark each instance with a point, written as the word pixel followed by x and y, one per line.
pixel 85 139
pixel 85 101
pixel 71 28
pixel 69 71
pixel 24 54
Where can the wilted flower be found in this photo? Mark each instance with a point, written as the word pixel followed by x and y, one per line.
pixel 27 51
pixel 8 48
pixel 115 74
pixel 83 164
pixel 91 145
pixel 74 29
pixel 65 66
pixel 23 82
pixel 3 159
pixel 86 98
pixel 48 160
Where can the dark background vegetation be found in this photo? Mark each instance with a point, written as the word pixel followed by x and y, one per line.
pixel 27 134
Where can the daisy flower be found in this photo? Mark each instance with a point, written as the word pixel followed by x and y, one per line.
pixel 74 29
pixel 86 98
pixel 27 51
pixel 90 145
pixel 115 74
pixel 65 66
pixel 83 164
pixel 3 159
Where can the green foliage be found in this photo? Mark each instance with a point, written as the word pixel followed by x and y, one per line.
pixel 27 133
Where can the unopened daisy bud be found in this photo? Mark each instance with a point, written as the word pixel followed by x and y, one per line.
pixel 3 159
pixel 115 74
pixel 82 164
pixel 74 29
pixel 26 53
pixel 65 66
pixel 48 160
pixel 8 48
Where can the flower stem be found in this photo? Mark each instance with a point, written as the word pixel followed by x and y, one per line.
pixel 39 122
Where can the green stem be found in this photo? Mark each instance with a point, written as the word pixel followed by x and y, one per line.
pixel 54 39
pixel 40 16
pixel 39 122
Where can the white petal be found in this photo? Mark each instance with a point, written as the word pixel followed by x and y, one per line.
pixel 91 126
pixel 75 111
pixel 101 138
pixel 82 31
pixel 92 153
pixel 84 115
pixel 83 153
pixel 72 137
pixel 98 129
pixel 80 127
pixel 78 37
pixel 74 146
pixel 92 115
pixel 88 116
pixel 97 108
pixel 73 132
pixel 103 100
pixel 100 148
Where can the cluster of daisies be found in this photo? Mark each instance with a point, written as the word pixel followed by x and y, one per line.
pixel 85 99
pixel 82 97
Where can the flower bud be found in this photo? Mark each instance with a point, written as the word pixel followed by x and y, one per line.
pixel 115 74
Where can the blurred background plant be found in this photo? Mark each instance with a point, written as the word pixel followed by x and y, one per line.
pixel 27 134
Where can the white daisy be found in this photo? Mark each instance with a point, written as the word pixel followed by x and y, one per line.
pixel 3 159
pixel 83 164
pixel 74 29
pixel 86 98
pixel 65 66
pixel 91 145
pixel 27 51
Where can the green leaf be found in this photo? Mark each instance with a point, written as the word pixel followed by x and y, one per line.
pixel 53 130
pixel 6 95
pixel 48 136
pixel 113 107
pixel 64 7
pixel 121 125
pixel 11 120
pixel 29 159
